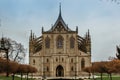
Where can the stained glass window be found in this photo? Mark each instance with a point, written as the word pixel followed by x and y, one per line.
pixel 72 42
pixel 59 42
pixel 47 42
pixel 82 63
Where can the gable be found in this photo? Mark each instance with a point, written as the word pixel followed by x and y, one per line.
pixel 59 26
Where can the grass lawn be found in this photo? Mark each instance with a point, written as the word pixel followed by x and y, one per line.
pixel 106 78
pixel 10 78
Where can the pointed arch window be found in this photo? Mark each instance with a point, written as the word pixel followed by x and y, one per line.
pixel 33 61
pixel 62 59
pixel 72 42
pixel 56 59
pixel 47 42
pixel 72 68
pixel 47 60
pixel 47 69
pixel 72 60
pixel 82 63
pixel 59 42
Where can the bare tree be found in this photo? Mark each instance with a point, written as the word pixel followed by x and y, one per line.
pixel 16 51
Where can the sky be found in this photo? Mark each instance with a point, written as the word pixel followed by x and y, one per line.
pixel 101 17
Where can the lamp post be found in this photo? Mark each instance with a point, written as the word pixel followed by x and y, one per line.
pixel 4 47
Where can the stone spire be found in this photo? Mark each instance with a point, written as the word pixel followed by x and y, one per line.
pixel 89 41
pixel 42 29
pixel 76 29
pixel 30 35
pixel 89 37
pixel 2 42
pixel 60 20
pixel 60 16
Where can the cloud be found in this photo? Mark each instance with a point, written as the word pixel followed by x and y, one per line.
pixel 101 18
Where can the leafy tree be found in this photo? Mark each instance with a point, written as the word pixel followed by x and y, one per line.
pixel 21 69
pixel 30 69
pixel 7 66
pixel 108 67
pixel 26 69
pixel 88 69
pixel 2 65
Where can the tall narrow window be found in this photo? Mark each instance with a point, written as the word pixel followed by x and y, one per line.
pixel 72 68
pixel 72 60
pixel 47 42
pixel 56 59
pixel 82 63
pixel 72 42
pixel 47 69
pixel 33 62
pixel 62 59
pixel 59 42
pixel 47 60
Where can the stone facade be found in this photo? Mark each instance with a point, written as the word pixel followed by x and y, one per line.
pixel 60 51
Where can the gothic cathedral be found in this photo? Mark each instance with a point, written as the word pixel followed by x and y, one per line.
pixel 60 51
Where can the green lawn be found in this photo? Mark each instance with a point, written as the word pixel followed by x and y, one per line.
pixel 17 78
pixel 10 78
pixel 106 78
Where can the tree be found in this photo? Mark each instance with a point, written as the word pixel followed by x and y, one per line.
pixel 117 65
pixel 22 69
pixel 2 65
pixel 112 67
pixel 13 69
pixel 26 69
pixel 30 69
pixel 118 52
pixel 88 69
pixel 108 67
pixel 8 66
pixel 99 67
pixel 16 51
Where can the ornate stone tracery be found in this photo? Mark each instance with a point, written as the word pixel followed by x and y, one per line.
pixel 59 41
pixel 62 49
pixel 47 42
pixel 72 42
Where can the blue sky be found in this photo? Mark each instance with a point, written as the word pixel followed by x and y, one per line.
pixel 101 17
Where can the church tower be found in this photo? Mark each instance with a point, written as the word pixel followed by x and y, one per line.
pixel 60 51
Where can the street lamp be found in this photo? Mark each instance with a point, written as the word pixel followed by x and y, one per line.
pixel 4 47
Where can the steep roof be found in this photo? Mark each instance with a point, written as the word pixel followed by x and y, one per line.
pixel 61 21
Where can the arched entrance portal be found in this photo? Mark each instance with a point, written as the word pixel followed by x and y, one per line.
pixel 59 71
